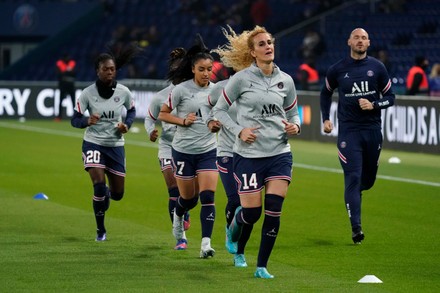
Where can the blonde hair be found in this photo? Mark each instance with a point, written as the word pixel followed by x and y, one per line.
pixel 236 53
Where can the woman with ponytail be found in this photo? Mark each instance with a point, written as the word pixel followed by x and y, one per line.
pixel 193 146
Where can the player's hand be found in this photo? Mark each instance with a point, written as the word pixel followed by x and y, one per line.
pixel 328 126
pixel 290 128
pixel 214 125
pixel 365 104
pixel 247 135
pixel 190 119
pixel 93 119
pixel 154 135
pixel 123 128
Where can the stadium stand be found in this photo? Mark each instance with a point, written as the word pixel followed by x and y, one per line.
pixel 411 30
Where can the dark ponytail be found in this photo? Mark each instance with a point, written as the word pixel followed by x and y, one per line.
pixel 121 58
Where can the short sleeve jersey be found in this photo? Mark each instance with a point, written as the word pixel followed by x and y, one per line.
pixel 105 132
pixel 187 97
pixel 168 129
pixel 262 102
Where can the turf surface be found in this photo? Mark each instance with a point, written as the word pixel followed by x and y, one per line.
pixel 48 245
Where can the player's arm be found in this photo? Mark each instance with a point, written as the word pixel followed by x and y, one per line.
pixel 78 119
pixel 227 97
pixel 292 125
pixel 387 93
pixel 150 123
pixel 326 100
pixel 213 124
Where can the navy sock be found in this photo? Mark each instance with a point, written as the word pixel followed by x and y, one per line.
pixel 207 212
pixel 173 195
pixel 244 237
pixel 184 205
pixel 272 212
pixel 231 206
pixel 99 206
pixel 247 217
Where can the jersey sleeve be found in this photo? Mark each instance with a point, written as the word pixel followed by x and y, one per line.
pixel 384 84
pixel 152 114
pixel 175 97
pixel 82 103
pixel 291 105
pixel 212 100
pixel 329 86
pixel 129 100
pixel 229 95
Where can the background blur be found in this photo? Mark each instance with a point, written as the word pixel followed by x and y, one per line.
pixel 35 33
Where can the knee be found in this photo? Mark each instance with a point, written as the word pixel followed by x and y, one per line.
pixel 352 179
pixel 234 201
pixel 187 204
pixel 273 204
pixel 117 195
pixel 251 215
pixel 367 185
pixel 100 189
pixel 206 197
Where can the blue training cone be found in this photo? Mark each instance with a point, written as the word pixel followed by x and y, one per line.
pixel 40 196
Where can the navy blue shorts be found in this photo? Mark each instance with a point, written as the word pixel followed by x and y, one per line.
pixel 187 166
pixel 112 159
pixel 225 168
pixel 252 174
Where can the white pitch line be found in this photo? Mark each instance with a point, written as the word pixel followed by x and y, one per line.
pixel 391 178
pixel 78 134
pixel 155 145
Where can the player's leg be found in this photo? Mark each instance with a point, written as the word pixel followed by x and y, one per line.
pixel 225 166
pixel 350 157
pixel 100 190
pixel 250 185
pixel 207 178
pixel 277 178
pixel 115 170
pixel 373 146
pixel 94 164
pixel 173 192
pixel 63 95
pixel 185 175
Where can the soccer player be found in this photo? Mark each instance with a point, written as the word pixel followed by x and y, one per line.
pixel 225 141
pixel 166 138
pixel 267 115
pixel 364 90
pixel 103 144
pixel 194 146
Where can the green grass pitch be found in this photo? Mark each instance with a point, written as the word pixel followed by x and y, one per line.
pixel 48 245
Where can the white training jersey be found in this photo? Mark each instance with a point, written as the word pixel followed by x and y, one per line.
pixel 168 129
pixel 187 97
pixel 105 132
pixel 225 138
pixel 262 102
